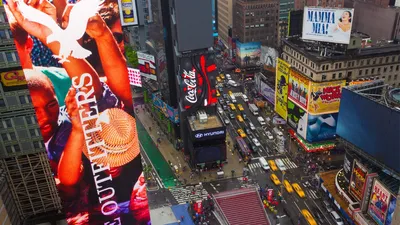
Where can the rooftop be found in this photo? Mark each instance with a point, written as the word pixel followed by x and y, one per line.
pixel 212 122
pixel 316 50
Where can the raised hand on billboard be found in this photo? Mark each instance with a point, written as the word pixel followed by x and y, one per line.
pixel 96 27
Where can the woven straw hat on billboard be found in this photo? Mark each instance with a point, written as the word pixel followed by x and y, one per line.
pixel 119 135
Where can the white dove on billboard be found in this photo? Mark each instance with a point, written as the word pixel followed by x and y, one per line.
pixel 68 37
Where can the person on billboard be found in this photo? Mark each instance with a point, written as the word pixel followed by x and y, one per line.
pixel 344 24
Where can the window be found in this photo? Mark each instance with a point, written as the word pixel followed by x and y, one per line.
pixel 12 136
pixel 391 69
pixel 384 69
pixel 7 123
pixel 36 144
pixel 3 34
pixel 340 75
pixel 2 103
pixel 9 149
pixel 387 59
pixel 397 68
pixel 395 77
pixel 361 62
pixel 349 73
pixel 312 74
pixel 390 77
pixel 323 77
pixel 359 72
pixel 17 148
pixel 334 76
pixel 372 70
pixel 9 56
pixel 4 136
pixel 393 58
pixel 366 71
pixel 368 61
pixel 379 69
pixel 22 99
pixel 33 132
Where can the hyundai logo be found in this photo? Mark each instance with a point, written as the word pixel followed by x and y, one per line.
pixel 199 135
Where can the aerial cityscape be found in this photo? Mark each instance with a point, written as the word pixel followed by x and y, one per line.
pixel 199 112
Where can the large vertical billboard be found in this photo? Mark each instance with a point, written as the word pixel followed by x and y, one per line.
pixel 84 108
pixel 327 24
pixel 379 202
pixel 321 127
pixel 248 54
pixel 147 65
pixel 325 97
pixel 363 122
pixel 267 92
pixel 281 88
pixel 297 118
pixel 357 180
pixel 269 56
pixel 197 81
pixel 298 89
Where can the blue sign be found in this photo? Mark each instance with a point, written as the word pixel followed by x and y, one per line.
pixel 169 112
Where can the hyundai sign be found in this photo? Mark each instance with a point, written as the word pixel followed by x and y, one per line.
pixel 209 134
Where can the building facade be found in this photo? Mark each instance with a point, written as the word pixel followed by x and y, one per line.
pixel 137 35
pixel 256 21
pixel 299 4
pixel 28 189
pixel 381 62
pixel 225 19
pixel 368 18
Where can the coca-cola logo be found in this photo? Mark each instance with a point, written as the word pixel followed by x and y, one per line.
pixel 189 79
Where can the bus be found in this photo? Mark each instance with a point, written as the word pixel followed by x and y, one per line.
pixel 244 150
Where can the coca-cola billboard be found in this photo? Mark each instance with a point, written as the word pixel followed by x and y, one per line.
pixel 197 76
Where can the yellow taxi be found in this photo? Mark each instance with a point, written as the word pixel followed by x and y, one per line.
pixel 230 93
pixel 240 107
pixel 219 80
pixel 275 179
pixel 222 76
pixel 288 186
pixel 298 190
pixel 241 133
pixel 307 215
pixel 272 165
pixel 218 94
pixel 233 108
pixel 240 118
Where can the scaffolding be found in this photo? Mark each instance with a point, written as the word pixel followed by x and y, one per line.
pixel 31 183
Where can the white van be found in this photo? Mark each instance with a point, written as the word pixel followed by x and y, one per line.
pixel 233 83
pixel 264 163
pixel 228 76
pixel 338 220
pixel 261 120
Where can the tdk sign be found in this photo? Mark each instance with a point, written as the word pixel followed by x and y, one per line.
pixel 209 134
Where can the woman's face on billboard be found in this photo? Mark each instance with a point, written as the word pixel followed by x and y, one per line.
pixel 345 17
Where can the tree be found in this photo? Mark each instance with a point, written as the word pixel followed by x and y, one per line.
pixel 131 56
pixel 146 171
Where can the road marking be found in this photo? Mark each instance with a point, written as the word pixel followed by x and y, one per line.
pixel 297 206
pixel 158 176
pixel 321 211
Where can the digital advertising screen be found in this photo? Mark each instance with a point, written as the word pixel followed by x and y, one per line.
pixel 298 88
pixel 327 24
pixel 379 202
pixel 357 180
pixel 321 127
pixel 371 126
pixel 325 97
pixel 147 65
pixel 267 92
pixel 248 54
pixel 79 85
pixel 297 119
pixel 281 88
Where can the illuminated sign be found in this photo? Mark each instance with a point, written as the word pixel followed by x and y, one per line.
pixel 209 134
pixel 189 78
pixel 325 97
pixel 13 78
pixel 91 142
pixel 298 89
pixel 147 65
pixel 378 204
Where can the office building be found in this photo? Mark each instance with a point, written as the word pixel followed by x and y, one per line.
pixel 225 19
pixel 299 4
pixel 256 21
pixel 285 7
pixel 368 18
pixel 323 62
pixel 28 190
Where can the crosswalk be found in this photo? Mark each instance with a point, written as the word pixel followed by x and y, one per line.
pixel 312 194
pixel 237 94
pixel 188 193
pixel 256 167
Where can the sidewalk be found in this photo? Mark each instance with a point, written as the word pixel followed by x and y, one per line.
pixel 169 153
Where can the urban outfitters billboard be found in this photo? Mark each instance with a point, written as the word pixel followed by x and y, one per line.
pixel 325 97
pixel 298 89
pixel 327 24
pixel 379 202
pixel 281 88
pixel 84 107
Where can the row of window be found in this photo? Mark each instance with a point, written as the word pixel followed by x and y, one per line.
pixel 12 149
pixel 3 17
pixel 22 99
pixel 9 57
pixel 11 136
pixel 8 123
pixel 5 34
pixel 259 6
